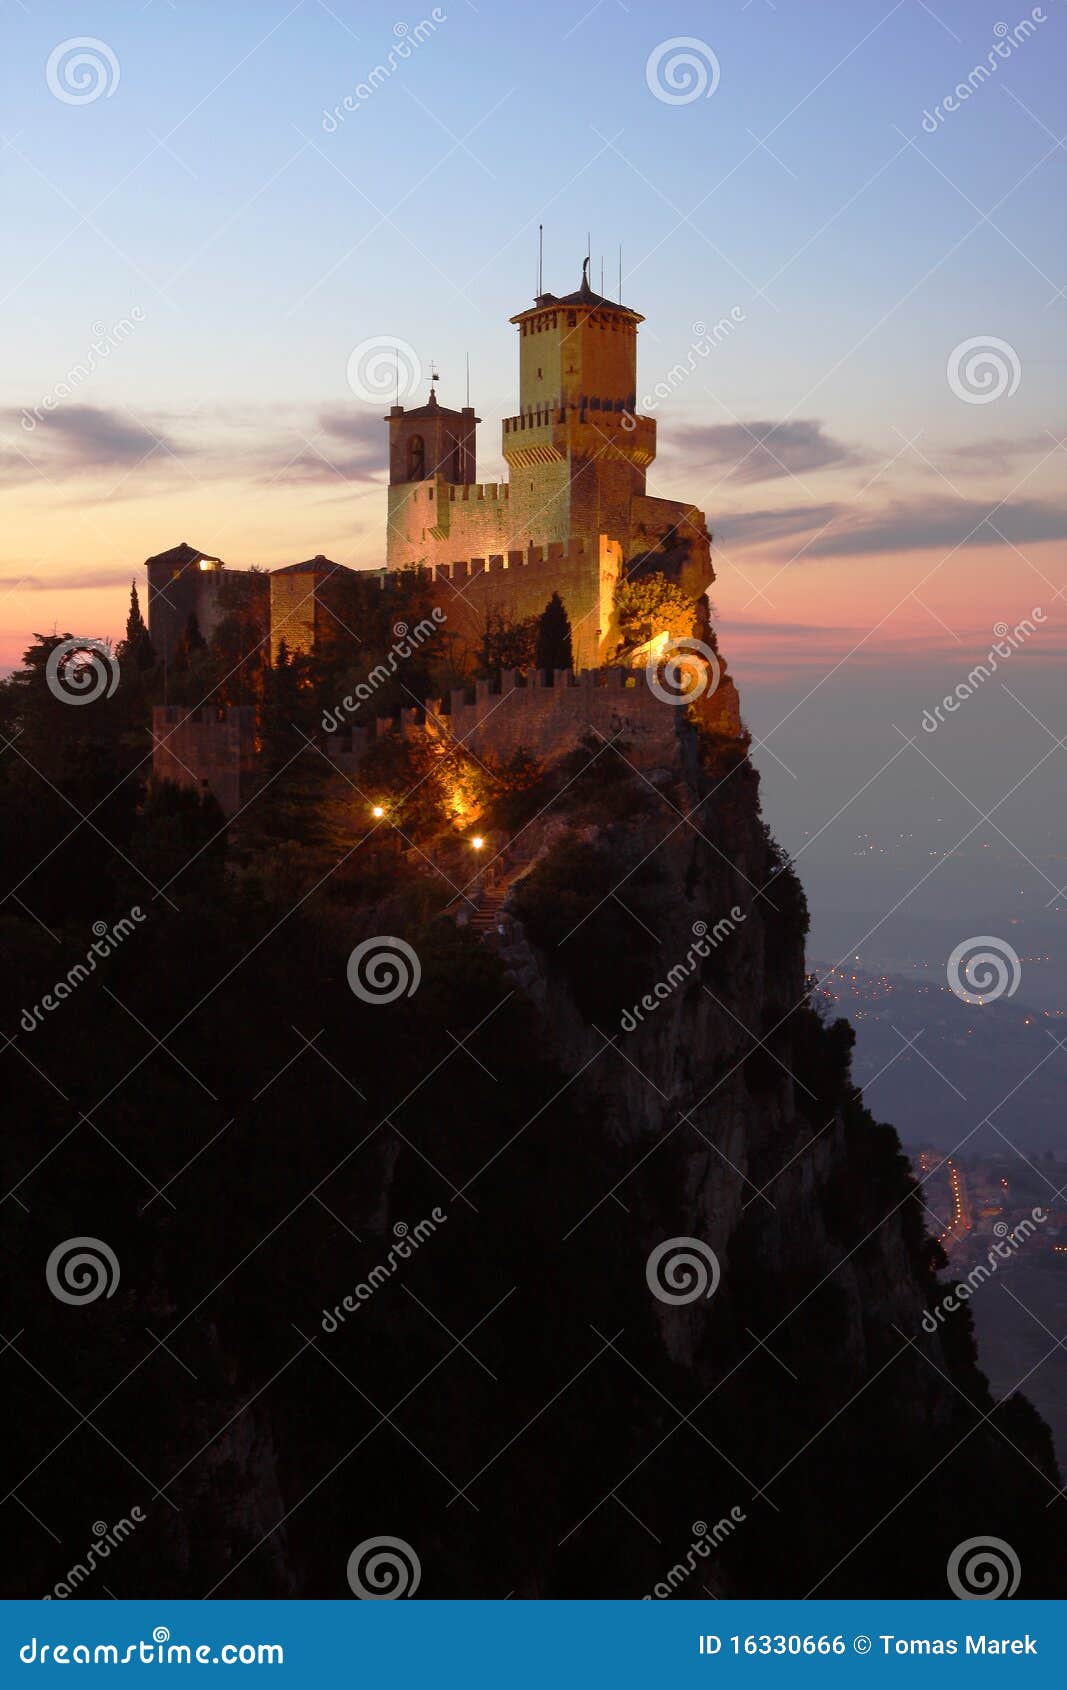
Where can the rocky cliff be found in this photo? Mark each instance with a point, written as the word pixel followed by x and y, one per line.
pixel 575 1264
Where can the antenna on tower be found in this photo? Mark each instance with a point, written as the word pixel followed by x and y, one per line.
pixel 620 272
pixel 468 381
pixel 540 259
pixel 396 363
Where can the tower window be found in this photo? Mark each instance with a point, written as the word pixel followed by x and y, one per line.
pixel 416 458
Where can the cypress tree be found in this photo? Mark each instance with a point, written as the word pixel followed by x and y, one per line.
pixel 554 649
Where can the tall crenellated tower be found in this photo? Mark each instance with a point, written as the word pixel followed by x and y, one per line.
pixel 577 451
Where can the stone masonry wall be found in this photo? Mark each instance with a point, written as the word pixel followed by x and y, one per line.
pixel 520 584
pixel 198 749
pixel 548 721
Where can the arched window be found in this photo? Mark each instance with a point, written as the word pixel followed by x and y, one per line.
pixel 416 458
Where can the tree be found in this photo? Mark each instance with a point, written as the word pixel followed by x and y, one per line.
pixel 507 642
pixel 136 650
pixel 647 605
pixel 554 649
pixel 191 642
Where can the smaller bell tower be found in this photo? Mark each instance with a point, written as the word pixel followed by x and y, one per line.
pixel 432 442
pixel 431 452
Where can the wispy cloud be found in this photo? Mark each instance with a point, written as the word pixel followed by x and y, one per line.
pixel 919 525
pixel 342 446
pixel 903 525
pixel 994 457
pixel 68 580
pixel 75 440
pixel 764 527
pixel 763 450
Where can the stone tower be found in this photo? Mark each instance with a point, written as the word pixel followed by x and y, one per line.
pixel 577 452
pixel 182 582
pixel 431 450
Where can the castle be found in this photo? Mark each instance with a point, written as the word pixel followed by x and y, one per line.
pixel 573 518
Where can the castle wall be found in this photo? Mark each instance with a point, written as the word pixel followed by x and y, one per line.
pixel 547 721
pixel 292 610
pixel 209 753
pixel 431 521
pixel 520 584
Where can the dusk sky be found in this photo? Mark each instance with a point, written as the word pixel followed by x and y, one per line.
pixel 876 508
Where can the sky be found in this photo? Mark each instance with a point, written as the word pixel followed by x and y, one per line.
pixel 874 429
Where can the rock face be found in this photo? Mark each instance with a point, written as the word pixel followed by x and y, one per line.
pixel 581 1269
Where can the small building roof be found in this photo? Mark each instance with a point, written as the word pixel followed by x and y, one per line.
pixel 181 555
pixel 583 295
pixel 431 409
pixel 318 565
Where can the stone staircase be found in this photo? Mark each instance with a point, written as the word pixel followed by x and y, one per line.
pixel 484 921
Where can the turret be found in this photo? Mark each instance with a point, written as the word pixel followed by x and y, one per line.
pixel 577 397
pixel 432 441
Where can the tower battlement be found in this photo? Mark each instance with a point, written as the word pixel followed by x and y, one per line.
pixel 478 490
pixel 555 554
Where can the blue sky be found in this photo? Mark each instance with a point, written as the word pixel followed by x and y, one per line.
pixel 258 245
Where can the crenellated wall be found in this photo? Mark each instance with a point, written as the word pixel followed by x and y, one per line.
pixel 207 751
pixel 546 719
pixel 218 752
pixel 517 584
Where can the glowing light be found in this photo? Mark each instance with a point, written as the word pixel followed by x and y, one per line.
pixel 477 841
pixel 377 811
